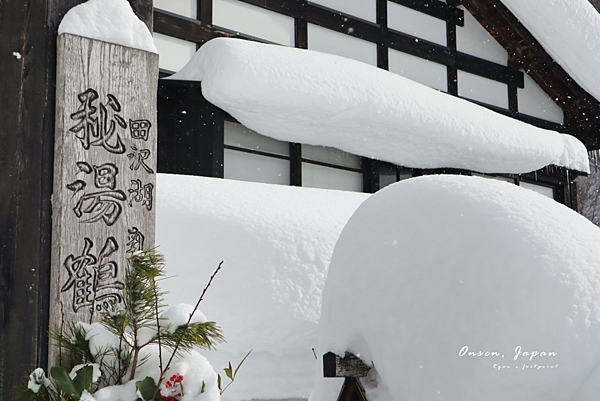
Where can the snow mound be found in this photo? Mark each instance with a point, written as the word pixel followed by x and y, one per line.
pixel 193 366
pixel 276 243
pixel 433 269
pixel 569 30
pixel 110 21
pixel 315 98
pixel 178 315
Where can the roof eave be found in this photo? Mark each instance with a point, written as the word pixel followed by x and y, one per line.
pixel 582 110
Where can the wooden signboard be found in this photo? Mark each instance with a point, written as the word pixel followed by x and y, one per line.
pixel 104 173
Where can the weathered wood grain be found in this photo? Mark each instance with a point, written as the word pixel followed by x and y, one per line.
pixel 104 173
pixel 348 366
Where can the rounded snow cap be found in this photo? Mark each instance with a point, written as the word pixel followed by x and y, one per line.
pixel 465 288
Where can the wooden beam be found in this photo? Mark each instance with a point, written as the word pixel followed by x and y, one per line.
pixel 196 31
pixel 437 9
pixel 27 66
pixel 352 390
pixel 348 366
pixel 143 9
pixel 526 53
pixel 190 29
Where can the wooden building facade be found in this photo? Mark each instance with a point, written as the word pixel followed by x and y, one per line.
pixel 475 50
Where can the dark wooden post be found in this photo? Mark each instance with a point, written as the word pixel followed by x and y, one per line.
pixel 352 368
pixel 27 91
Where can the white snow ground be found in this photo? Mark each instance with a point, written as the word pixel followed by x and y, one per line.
pixel 315 98
pixel 430 265
pixel 276 243
pixel 111 21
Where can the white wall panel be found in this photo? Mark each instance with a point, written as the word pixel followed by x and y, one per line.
pixel 535 102
pixel 173 53
pixel 316 176
pixel 540 189
pixel 330 155
pixel 420 70
pixel 416 23
pixel 482 89
pixel 256 168
pixel 473 39
pixel 187 8
pixel 253 21
pixel 240 136
pixel 328 41
pixel 364 9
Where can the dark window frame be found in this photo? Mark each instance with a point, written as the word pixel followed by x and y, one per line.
pixel 201 30
pixel 304 12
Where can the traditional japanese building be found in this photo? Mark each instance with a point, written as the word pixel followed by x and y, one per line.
pixel 475 50
pixel 488 52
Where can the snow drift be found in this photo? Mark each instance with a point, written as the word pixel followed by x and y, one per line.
pixel 432 268
pixel 276 243
pixel 315 98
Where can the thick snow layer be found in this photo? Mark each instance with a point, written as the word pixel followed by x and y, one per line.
pixel 315 98
pixel 111 21
pixel 432 268
pixel 276 243
pixel 95 375
pixel 178 315
pixel 193 366
pixel 569 30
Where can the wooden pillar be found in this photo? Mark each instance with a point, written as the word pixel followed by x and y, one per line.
pixel 104 174
pixel 27 92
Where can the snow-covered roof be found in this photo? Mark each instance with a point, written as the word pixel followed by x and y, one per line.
pixel 315 98
pixel 110 21
pixel 569 30
pixel 431 265
pixel 276 242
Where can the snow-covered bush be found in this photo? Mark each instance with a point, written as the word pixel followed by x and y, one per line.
pixel 138 351
pixel 462 288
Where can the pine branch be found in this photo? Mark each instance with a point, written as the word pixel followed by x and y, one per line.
pixel 187 336
pixel 75 344
pixel 141 297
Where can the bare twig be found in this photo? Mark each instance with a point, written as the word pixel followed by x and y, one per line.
pixel 120 377
pixel 162 372
pixel 160 365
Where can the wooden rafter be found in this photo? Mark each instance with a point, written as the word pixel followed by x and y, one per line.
pixel 582 110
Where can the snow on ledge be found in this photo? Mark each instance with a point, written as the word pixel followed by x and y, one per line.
pixel 110 21
pixel 315 98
